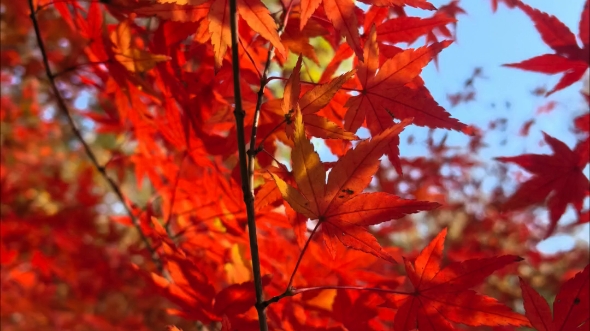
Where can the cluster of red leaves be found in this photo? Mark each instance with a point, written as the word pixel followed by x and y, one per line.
pixel 161 77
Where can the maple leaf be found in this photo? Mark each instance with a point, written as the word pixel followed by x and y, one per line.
pixel 297 41
pixel 187 286
pixel 342 212
pixel 179 11
pixel 354 310
pixel 557 178
pixel 255 13
pixel 219 28
pixel 422 4
pixel 569 58
pixel 341 14
pixel 387 91
pixel 442 296
pixel 508 3
pixel 409 29
pixel 313 101
pixel 570 308
pixel 237 298
pixel 132 58
pixel 582 123
pixel 256 16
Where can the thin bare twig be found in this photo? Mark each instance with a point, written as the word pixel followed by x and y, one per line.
pixel 250 57
pixel 279 164
pixel 173 198
pixel 261 145
pixel 101 169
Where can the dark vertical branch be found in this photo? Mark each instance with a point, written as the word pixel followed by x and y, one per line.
pixel 246 185
pixel 247 168
pixel 101 169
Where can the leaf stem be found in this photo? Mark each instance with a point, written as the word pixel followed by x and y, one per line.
pixel 173 197
pixel 315 228
pixel 78 134
pixel 261 145
pixel 279 164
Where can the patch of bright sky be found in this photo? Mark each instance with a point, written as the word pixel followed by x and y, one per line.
pixel 488 40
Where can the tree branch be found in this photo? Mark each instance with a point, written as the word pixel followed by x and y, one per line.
pixel 101 169
pixel 239 114
pixel 247 168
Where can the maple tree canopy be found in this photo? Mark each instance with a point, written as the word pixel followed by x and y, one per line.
pixel 165 166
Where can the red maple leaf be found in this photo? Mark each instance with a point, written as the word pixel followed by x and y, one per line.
pixel 442 296
pixel 342 15
pixel 569 58
pixel 396 89
pixel 571 308
pixel 558 177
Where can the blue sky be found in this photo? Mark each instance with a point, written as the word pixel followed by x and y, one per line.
pixel 488 40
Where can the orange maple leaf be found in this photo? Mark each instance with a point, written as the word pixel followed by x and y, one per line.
pixel 342 15
pixel 559 177
pixel 219 28
pixel 313 101
pixel 442 296
pixel 255 13
pixel 340 209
